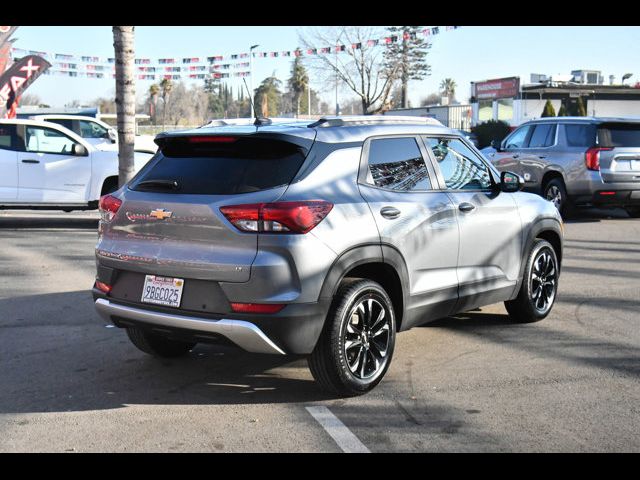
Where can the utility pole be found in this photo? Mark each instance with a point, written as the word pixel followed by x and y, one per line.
pixel 251 79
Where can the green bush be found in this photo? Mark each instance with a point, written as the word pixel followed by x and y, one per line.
pixel 548 110
pixel 491 130
pixel 563 111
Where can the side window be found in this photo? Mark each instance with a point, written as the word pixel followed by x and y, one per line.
pixel 47 140
pixel 518 139
pixel 66 123
pixel 580 135
pixel 544 135
pixel 9 139
pixel 92 130
pixel 397 164
pixel 460 167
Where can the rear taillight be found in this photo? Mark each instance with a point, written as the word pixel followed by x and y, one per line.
pixel 109 206
pixel 256 307
pixel 278 217
pixel 592 157
pixel 103 287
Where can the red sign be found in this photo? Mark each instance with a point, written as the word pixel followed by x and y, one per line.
pixel 499 88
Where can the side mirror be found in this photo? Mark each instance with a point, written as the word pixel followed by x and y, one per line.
pixel 79 150
pixel 497 145
pixel 112 135
pixel 511 182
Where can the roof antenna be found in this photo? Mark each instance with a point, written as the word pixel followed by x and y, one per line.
pixel 259 121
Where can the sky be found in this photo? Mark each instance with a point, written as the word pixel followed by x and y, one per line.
pixel 466 54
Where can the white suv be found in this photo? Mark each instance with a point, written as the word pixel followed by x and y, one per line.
pixel 47 166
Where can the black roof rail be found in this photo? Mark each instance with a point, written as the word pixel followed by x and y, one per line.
pixel 350 120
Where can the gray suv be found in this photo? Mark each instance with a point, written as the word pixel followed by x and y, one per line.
pixel 576 161
pixel 321 239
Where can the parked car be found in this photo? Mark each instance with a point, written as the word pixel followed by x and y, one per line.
pixel 576 161
pixel 98 133
pixel 322 240
pixel 47 166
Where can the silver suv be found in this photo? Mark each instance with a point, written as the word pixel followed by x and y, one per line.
pixel 576 161
pixel 321 239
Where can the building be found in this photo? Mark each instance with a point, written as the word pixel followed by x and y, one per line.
pixel 506 99
pixel 453 116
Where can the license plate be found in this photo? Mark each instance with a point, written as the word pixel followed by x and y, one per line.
pixel 162 290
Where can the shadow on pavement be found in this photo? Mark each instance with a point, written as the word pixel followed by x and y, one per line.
pixel 57 355
pixel 589 215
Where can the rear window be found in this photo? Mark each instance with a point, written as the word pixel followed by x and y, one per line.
pixel 580 135
pixel 619 135
pixel 240 165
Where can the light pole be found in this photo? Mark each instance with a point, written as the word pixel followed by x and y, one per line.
pixel 251 78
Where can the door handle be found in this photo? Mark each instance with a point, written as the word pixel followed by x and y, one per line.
pixel 542 157
pixel 466 207
pixel 389 212
pixel 30 161
pixel 515 156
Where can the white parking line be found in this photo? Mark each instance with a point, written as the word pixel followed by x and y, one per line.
pixel 345 439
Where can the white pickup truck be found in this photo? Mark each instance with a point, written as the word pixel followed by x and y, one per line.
pixel 98 133
pixel 46 166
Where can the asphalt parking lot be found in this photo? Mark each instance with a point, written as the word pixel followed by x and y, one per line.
pixel 475 382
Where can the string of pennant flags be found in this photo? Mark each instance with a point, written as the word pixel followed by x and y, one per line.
pixel 215 66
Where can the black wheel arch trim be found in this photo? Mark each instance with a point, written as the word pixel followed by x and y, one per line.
pixel 540 226
pixel 361 255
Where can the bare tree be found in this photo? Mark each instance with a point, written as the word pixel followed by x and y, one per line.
pixel 360 66
pixel 123 44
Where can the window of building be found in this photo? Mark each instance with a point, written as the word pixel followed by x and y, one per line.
pixel 505 109
pixel 485 110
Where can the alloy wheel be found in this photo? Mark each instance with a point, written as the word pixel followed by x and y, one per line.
pixel 366 338
pixel 554 195
pixel 544 281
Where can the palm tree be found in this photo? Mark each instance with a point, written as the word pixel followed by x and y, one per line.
pixel 123 44
pixel 154 90
pixel 448 88
pixel 298 82
pixel 166 85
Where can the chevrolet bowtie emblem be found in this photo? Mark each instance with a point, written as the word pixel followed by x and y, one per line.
pixel 160 213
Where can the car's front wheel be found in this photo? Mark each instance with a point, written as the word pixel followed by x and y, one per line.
pixel 539 285
pixel 158 345
pixel 356 345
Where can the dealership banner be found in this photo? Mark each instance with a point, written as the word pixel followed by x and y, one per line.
pixel 18 77
pixel 498 88
pixel 88 66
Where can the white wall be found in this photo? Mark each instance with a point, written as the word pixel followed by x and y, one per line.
pixel 531 109
pixel 613 108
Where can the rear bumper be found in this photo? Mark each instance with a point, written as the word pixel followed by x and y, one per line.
pixel 293 330
pixel 610 197
pixel 244 334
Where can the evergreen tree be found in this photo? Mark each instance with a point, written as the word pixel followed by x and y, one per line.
pixel 298 82
pixel 548 110
pixel 563 111
pixel 409 52
pixel 268 95
pixel 581 110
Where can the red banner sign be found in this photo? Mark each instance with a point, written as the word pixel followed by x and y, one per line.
pixel 499 88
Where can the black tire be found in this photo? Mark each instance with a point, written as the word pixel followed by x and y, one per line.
pixel 158 345
pixel 633 212
pixel 331 359
pixel 524 308
pixel 555 191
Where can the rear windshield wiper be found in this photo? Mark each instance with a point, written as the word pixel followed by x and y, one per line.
pixel 164 184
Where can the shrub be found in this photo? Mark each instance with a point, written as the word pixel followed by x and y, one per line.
pixel 491 130
pixel 548 110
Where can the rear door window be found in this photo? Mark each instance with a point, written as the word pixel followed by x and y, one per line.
pixel 619 135
pixel 9 139
pixel 580 135
pixel 544 135
pixel 397 164
pixel 233 165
